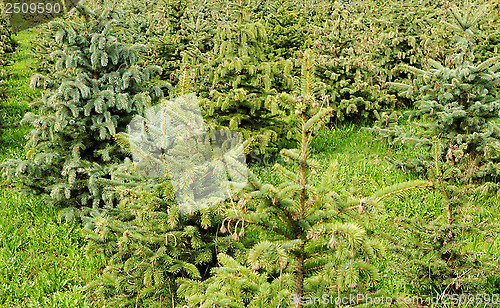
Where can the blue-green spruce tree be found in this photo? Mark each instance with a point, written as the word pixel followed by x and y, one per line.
pixel 93 94
pixel 455 104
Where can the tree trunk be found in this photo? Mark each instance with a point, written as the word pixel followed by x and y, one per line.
pixel 298 288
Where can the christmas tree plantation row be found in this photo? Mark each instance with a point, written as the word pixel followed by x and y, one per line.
pixel 238 56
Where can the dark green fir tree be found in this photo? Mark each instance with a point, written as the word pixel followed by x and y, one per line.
pixel 489 38
pixel 143 21
pixel 343 63
pixel 187 35
pixel 488 41
pixel 313 240
pixel 286 25
pixel 94 93
pixel 7 43
pixel 241 75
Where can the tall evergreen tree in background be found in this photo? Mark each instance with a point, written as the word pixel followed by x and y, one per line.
pixel 240 75
pixel 405 32
pixel 410 31
pixel 287 26
pixel 488 39
pixel 142 20
pixel 489 36
pixel 7 43
pixel 95 91
pixel 187 36
pixel 343 63
pixel 42 48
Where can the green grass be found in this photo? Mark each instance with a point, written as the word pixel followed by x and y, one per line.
pixel 16 103
pixel 42 261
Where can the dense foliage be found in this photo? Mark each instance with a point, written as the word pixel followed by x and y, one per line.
pixel 358 46
pixel 460 139
pixel 456 102
pixel 149 244
pixel 244 53
pixel 92 95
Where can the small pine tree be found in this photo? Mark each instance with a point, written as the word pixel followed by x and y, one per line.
pixel 456 105
pixel 406 32
pixel 344 66
pixel 96 90
pixel 149 245
pixel 311 238
pixel 7 43
pixel 489 39
pixel 164 228
pixel 144 21
pixel 439 261
pixel 286 25
pixel 42 47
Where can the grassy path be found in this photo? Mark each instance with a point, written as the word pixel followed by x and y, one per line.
pixel 42 263
pixel 15 105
